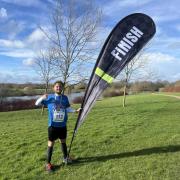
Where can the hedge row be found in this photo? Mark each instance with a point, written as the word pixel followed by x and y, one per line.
pixel 17 105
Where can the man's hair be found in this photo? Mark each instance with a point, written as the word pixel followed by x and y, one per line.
pixel 58 82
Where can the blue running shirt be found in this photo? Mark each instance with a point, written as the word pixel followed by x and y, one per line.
pixel 57 113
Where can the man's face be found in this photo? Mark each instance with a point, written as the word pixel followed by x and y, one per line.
pixel 57 88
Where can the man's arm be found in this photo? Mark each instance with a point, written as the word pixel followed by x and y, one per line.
pixel 71 110
pixel 39 100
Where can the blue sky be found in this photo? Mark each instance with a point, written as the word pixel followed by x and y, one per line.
pixel 20 37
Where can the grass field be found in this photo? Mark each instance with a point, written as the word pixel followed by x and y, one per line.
pixel 169 93
pixel 139 142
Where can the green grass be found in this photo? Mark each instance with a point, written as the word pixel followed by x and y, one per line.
pixel 170 93
pixel 139 142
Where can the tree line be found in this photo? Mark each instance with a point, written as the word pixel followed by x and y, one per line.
pixel 12 89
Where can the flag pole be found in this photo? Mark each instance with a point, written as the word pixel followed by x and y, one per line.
pixel 74 133
pixel 71 142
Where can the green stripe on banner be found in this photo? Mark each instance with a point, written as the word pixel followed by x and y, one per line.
pixel 103 75
pixel 99 72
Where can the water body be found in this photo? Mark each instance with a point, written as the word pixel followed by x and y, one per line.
pixel 70 96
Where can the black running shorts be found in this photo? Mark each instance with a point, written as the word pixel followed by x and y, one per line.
pixel 57 133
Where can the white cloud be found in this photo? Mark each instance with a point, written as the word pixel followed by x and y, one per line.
pixel 3 13
pixel 35 36
pixel 26 48
pixel 176 76
pixel 12 28
pixel 113 7
pixel 174 45
pixel 37 40
pixel 21 53
pixel 165 17
pixel 5 77
pixel 159 57
pixel 160 12
pixel 132 3
pixel 177 27
pixel 19 76
pixel 163 12
pixel 166 66
pixel 28 62
pixel 24 2
pixel 11 44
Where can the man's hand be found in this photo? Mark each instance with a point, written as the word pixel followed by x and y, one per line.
pixel 78 110
pixel 39 100
pixel 45 96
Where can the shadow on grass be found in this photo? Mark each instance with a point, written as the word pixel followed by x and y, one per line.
pixel 142 152
pixel 57 167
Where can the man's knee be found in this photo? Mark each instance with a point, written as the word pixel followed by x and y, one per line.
pixel 50 143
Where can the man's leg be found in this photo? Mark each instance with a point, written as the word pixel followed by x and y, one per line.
pixel 50 151
pixel 62 137
pixel 51 140
pixel 64 148
pixel 66 159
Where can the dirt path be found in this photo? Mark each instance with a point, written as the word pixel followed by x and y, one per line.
pixel 177 97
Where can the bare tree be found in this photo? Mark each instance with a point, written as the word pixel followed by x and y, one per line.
pixel 44 67
pixel 136 68
pixel 73 29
